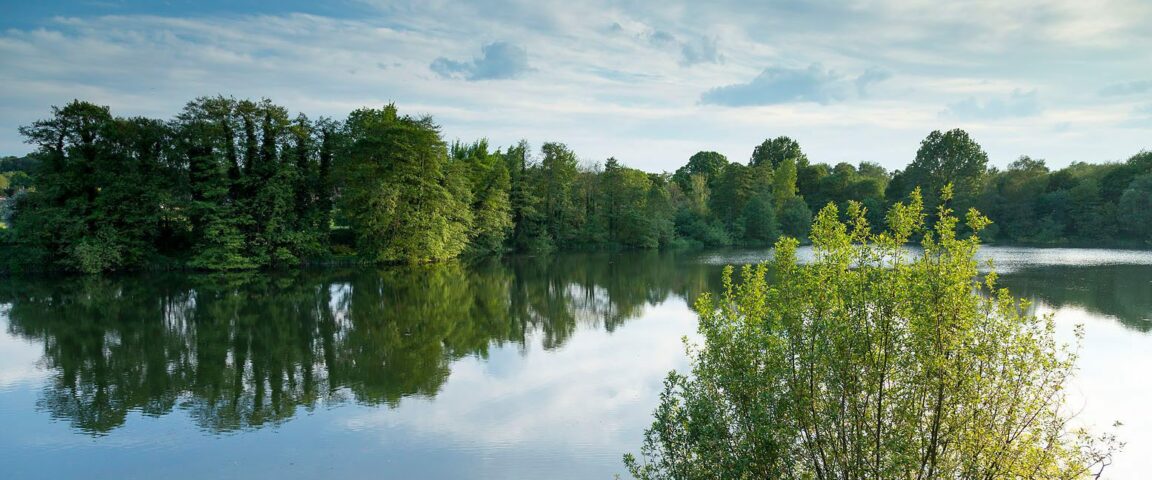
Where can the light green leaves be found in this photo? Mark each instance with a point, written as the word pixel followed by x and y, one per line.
pixel 870 362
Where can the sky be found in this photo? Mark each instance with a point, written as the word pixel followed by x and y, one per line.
pixel 647 82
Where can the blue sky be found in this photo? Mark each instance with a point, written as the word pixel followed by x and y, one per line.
pixel 649 82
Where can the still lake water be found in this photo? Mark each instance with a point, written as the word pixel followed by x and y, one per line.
pixel 542 367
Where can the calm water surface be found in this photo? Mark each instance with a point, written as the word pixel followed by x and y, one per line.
pixel 526 368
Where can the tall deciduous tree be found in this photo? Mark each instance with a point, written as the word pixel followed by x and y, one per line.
pixel 708 165
pixel 100 194
pixel 625 203
pixel 557 173
pixel 490 185
pixel 395 191
pixel 528 228
pixel 774 151
pixel 206 140
pixel 1136 208
pixel 943 158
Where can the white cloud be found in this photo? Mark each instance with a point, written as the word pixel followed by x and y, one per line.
pixel 625 79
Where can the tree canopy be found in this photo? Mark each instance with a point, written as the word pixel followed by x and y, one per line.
pixel 237 184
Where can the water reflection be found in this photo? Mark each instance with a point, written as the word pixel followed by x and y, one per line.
pixel 527 368
pixel 243 351
pixel 1122 292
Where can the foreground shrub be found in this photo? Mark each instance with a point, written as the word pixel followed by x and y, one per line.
pixel 871 362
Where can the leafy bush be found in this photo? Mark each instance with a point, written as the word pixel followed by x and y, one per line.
pixel 871 362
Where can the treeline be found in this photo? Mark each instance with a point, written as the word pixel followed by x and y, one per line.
pixel 237 184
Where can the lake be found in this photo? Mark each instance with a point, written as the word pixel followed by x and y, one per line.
pixel 528 367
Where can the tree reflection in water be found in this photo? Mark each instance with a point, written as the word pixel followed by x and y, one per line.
pixel 248 350
pixel 1123 292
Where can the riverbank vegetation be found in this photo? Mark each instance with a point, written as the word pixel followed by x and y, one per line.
pixel 237 184
pixel 871 362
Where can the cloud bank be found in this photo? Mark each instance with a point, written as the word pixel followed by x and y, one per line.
pixel 648 82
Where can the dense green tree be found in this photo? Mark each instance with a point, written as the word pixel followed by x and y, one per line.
pixel 206 141
pixel 528 227
pixel 490 186
pixel 794 218
pixel 588 221
pixel 773 152
pixel 1011 197
pixel 707 165
pixel 1136 208
pixel 943 158
pixel 808 182
pixel 1092 216
pixel 625 203
pixel 735 187
pixel 16 181
pixel 698 195
pixel 394 189
pixel 556 175
pixel 660 211
pixel 273 238
pixel 27 164
pixel 759 219
pixel 100 192
pixel 784 182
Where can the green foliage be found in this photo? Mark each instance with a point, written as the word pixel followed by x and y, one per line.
pixel 528 230
pixel 16 181
pixel 944 158
pixel 26 164
pixel 773 153
pixel 795 218
pixel 844 183
pixel 625 204
pixel 1136 208
pixel 248 207
pixel 397 193
pixel 659 210
pixel 555 177
pixel 784 182
pixel 759 221
pixel 490 188
pixel 871 362
pixel 735 187
pixel 1010 198
pixel 238 184
pixel 93 209
pixel 700 231
pixel 708 165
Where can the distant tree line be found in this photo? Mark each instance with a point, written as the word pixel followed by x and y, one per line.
pixel 237 184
